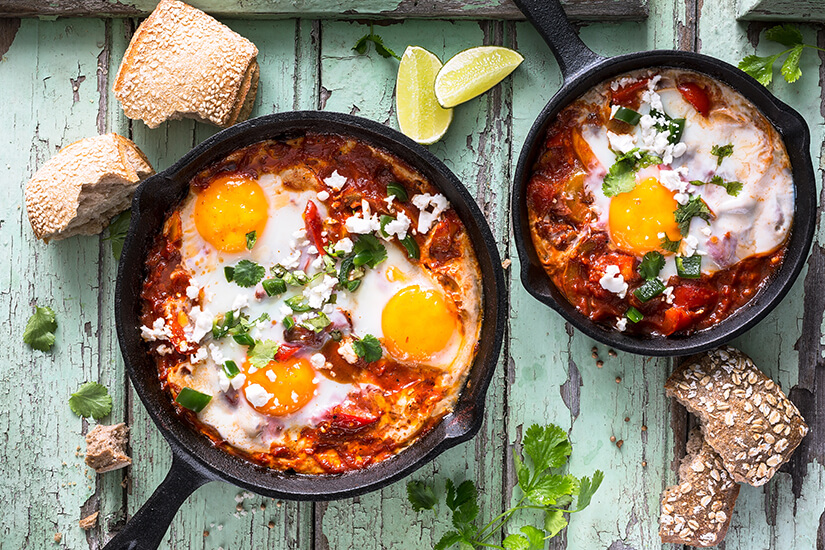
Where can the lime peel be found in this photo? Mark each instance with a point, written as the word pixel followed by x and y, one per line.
pixel 419 114
pixel 472 72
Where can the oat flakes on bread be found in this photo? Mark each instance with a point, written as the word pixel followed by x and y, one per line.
pixel 698 510
pixel 183 63
pixel 84 186
pixel 106 447
pixel 745 417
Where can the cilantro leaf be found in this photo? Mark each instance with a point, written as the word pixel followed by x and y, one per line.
pixel 535 536
pixel 248 273
pixel 465 514
pixel 251 239
pixel 732 187
pixel 362 44
pixel 262 353
pixel 760 68
pixel 588 488
pixel 548 447
pixel 670 246
pixel 522 471
pixel 721 151
pixel 554 522
pixel 368 348
pixel 91 399
pixel 621 177
pixel 790 68
pixel 447 539
pixel 117 232
pixel 787 35
pixel 420 495
pixel 39 332
pixel 652 264
pixel 516 542
pixel 694 207
pixel 549 488
pixel 317 323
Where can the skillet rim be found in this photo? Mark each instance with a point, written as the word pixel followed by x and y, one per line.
pixel 214 463
pixel 796 137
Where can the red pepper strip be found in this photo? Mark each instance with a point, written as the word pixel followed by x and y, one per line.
pixel 696 96
pixel 351 417
pixel 285 351
pixel 675 319
pixel 312 220
pixel 626 95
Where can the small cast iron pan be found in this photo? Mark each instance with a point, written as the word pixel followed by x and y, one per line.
pixel 195 461
pixel 582 69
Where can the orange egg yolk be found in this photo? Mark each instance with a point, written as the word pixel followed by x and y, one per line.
pixel 230 208
pixel 637 217
pixel 417 323
pixel 291 383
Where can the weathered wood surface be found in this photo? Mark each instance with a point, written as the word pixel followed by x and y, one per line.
pixel 782 10
pixel 390 9
pixel 57 79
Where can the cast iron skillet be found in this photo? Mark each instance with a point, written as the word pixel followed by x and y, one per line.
pixel 582 69
pixel 194 460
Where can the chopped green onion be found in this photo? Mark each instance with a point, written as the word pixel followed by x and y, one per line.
pixel 278 270
pixel 690 267
pixel 397 190
pixel 634 314
pixel 296 278
pixel 289 322
pixel 229 273
pixel 384 221
pixel 251 239
pixel 297 303
pixel 230 369
pixel 244 339
pixel 192 399
pixel 411 246
pixel 628 115
pixel 274 286
pixel 649 289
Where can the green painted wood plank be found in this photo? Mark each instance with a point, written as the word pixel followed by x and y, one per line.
pixel 45 481
pixel 554 376
pixel 231 517
pixel 786 513
pixel 803 11
pixel 400 9
pixel 475 147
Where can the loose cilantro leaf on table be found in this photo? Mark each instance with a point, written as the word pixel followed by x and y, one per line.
pixel 544 449
pixel 761 67
pixel 732 187
pixel 39 332
pixel 721 151
pixel 368 348
pixel 691 209
pixel 621 177
pixel 247 273
pixel 91 399
pixel 117 232
pixel 363 43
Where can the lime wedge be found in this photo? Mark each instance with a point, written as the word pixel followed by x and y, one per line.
pixel 419 114
pixel 473 72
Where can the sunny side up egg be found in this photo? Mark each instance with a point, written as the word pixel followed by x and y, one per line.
pixel 308 318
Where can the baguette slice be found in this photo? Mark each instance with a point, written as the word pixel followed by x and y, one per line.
pixel 697 512
pixel 106 448
pixel 745 416
pixel 183 63
pixel 84 185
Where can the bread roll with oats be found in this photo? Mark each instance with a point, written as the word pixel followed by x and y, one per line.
pixel 745 417
pixel 183 63
pixel 698 510
pixel 80 189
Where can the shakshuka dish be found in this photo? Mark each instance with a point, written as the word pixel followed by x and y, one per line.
pixel 312 305
pixel 661 202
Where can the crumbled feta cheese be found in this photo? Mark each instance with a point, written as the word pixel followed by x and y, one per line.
pixel 200 324
pixel 317 263
pixel 238 380
pixel 689 245
pixel 706 231
pixel 614 109
pixel 398 226
pixel 257 395
pixel 344 245
pixel 622 82
pixel 348 353
pixel 318 360
pixel 192 291
pixel 198 356
pixel 672 179
pixel 163 349
pixel 613 281
pixel 328 309
pixel 159 331
pixel 681 198
pixel 317 295
pixel 364 221
pixel 335 180
pixel 241 301
pixel 299 239
pixel 271 375
pixel 285 310
pixel 312 250
pixel 292 261
pixel 294 396
pixel 388 199
pixel 216 354
pixel 668 292
pixel 223 381
pixel 621 143
pixel 323 195
pixel 621 324
pixel 426 218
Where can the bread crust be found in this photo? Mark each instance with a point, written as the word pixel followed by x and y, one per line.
pixel 698 510
pixel 183 63
pixel 106 447
pixel 745 416
pixel 84 185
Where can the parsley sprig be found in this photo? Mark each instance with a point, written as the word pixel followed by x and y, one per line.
pixel 544 449
pixel 761 67
pixel 363 43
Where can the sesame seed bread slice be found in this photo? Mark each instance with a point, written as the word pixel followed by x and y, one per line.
pixel 246 100
pixel 80 189
pixel 745 417
pixel 698 510
pixel 183 63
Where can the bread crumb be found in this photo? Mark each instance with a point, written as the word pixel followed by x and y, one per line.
pixel 58 537
pixel 88 522
pixel 105 448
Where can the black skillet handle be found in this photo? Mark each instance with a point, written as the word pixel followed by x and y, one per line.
pixel 148 526
pixel 550 20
